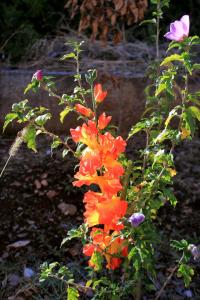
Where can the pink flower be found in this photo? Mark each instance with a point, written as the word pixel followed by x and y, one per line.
pixel 179 29
pixel 38 75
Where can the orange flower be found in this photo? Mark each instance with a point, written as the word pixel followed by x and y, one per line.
pixel 110 246
pixel 103 121
pixel 113 167
pixel 87 112
pixel 86 134
pixel 90 162
pixel 111 145
pixel 107 184
pixel 99 94
pixel 103 210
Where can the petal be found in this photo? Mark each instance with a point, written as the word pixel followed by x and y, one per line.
pixel 178 29
pixel 171 36
pixel 185 20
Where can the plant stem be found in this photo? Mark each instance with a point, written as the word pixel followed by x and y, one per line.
pixel 2 171
pixel 126 179
pixel 145 155
pixel 169 278
pixel 158 30
pixel 78 78
pixel 94 103
pixel 55 136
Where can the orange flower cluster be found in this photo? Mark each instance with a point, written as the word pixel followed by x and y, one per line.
pixel 99 166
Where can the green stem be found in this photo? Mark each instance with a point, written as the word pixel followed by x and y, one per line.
pixel 126 179
pixel 93 103
pixel 158 30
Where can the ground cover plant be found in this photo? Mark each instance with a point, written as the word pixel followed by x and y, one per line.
pixel 121 197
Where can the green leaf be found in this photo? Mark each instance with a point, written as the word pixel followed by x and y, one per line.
pixel 64 113
pixel 195 111
pixel 69 55
pixel 97 260
pixel 72 293
pixel 72 234
pixel 186 272
pixel 32 86
pixel 161 87
pixel 150 21
pixel 179 245
pixel 173 57
pixel 8 119
pixel 170 196
pixel 56 142
pixel 65 152
pixel 41 120
pixel 30 137
pixel 20 106
pixel 188 117
pixel 173 45
pixel 132 253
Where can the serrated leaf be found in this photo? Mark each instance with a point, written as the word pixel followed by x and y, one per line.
pixel 41 120
pixel 180 245
pixel 29 138
pixel 173 57
pixel 170 196
pixel 186 272
pixel 64 113
pixel 72 293
pixel 72 234
pixel 8 119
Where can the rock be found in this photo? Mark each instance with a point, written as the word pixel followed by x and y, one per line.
pixel 28 273
pixel 51 194
pixel 13 279
pixel 67 209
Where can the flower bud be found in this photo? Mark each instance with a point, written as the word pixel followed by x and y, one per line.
pixel 194 250
pixel 136 219
pixel 38 75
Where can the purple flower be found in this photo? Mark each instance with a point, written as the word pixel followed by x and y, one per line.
pixel 195 251
pixel 136 219
pixel 38 75
pixel 179 29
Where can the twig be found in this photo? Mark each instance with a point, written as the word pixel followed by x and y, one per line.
pixel 169 278
pixel 2 171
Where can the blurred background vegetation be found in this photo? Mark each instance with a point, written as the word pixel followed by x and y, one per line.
pixel 22 22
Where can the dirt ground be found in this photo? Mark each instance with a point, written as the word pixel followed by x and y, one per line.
pixel 38 205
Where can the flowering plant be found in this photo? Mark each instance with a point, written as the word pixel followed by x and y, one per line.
pixel 123 196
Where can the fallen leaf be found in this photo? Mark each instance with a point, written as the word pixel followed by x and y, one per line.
pixel 19 244
pixel 67 209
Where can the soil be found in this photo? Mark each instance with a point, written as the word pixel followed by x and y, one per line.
pixel 34 191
